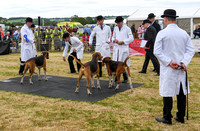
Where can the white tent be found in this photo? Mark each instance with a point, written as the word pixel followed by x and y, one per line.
pixel 112 21
pixel 186 20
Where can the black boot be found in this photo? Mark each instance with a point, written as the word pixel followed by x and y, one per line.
pixel 163 120
pixel 125 78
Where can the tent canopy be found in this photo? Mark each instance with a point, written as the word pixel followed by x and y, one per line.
pixel 142 13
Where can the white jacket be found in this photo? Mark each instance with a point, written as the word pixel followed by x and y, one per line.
pixel 121 52
pixel 102 40
pixel 75 44
pixel 27 48
pixel 172 44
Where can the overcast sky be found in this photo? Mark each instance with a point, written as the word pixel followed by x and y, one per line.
pixel 68 8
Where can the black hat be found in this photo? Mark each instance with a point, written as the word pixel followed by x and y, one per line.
pixel 151 15
pixel 32 26
pixel 65 35
pixel 146 21
pixel 169 13
pixel 100 17
pixel 119 19
pixel 29 20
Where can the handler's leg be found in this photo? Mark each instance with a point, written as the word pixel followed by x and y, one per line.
pixel 21 69
pixel 146 63
pixel 71 64
pixel 181 105
pixel 168 104
pixel 100 69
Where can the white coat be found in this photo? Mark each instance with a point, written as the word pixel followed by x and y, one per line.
pixel 75 44
pixel 27 48
pixel 172 45
pixel 121 52
pixel 102 40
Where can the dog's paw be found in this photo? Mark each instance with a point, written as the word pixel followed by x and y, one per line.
pixel 89 93
pixel 98 87
pixel 21 83
pixel 76 91
pixel 132 91
pixel 117 88
pixel 31 83
pixel 46 79
pixel 93 87
pixel 39 79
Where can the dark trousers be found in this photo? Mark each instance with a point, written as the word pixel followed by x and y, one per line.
pixel 100 69
pixel 71 64
pixel 21 69
pixel 181 105
pixel 149 55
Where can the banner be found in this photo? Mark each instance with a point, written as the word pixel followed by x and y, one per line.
pixel 135 49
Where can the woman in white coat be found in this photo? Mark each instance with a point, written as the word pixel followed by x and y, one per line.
pixel 76 50
pixel 103 34
pixel 173 47
pixel 122 37
pixel 27 48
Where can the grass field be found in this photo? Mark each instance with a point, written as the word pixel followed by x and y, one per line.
pixel 124 111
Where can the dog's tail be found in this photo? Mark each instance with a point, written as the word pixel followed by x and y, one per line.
pixel 78 61
pixel 127 59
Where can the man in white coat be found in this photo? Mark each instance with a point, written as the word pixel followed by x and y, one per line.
pixel 173 47
pixel 103 34
pixel 27 47
pixel 122 37
pixel 76 50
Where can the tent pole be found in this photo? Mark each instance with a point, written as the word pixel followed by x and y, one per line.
pixel 191 27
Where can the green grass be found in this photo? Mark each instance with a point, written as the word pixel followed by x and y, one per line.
pixel 123 111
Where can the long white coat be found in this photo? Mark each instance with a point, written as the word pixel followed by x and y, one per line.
pixel 172 44
pixel 121 52
pixel 102 40
pixel 75 44
pixel 27 48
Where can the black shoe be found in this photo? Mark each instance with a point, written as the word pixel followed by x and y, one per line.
pixel 181 120
pixel 154 70
pixel 125 81
pixel 163 120
pixel 142 72
pixel 157 75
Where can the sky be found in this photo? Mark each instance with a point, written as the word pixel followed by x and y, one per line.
pixel 84 8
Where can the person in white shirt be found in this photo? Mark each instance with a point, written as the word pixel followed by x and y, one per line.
pixel 76 50
pixel 27 49
pixel 174 49
pixel 122 37
pixel 103 34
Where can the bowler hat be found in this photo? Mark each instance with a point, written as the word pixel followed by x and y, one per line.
pixel 29 20
pixel 119 19
pixel 169 13
pixel 100 17
pixel 146 21
pixel 65 35
pixel 151 15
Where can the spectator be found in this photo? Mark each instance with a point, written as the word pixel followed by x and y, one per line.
pixel 10 30
pixel 75 30
pixel 197 32
pixel 7 37
pixel 85 40
pixel 1 33
pixel 87 29
pixel 16 36
pixel 139 31
pixel 133 30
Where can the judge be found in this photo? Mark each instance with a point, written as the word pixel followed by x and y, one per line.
pixel 173 47
pixel 76 50
pixel 122 37
pixel 103 34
